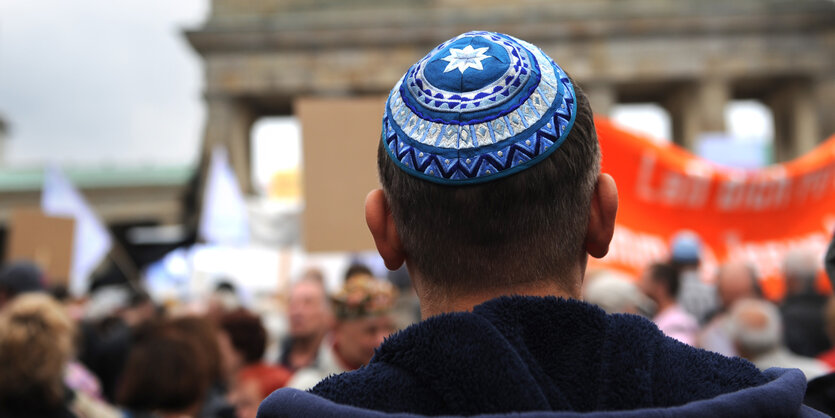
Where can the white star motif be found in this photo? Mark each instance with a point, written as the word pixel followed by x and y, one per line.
pixel 468 57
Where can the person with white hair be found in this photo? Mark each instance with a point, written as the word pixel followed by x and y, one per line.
pixel 756 330
pixel 617 294
pixel 802 309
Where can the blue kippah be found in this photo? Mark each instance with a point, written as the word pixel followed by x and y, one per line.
pixel 478 107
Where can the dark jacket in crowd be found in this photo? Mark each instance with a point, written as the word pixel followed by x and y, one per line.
pixel 548 357
pixel 803 324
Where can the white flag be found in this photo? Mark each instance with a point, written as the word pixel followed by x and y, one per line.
pixel 223 219
pixel 91 241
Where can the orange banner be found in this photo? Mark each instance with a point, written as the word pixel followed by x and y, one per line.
pixel 754 215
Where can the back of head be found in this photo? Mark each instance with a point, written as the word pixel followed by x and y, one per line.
pixel 686 249
pixel 488 160
pixel 665 277
pixel 737 280
pixel 756 327
pixel 20 277
pixel 616 294
pixel 165 372
pixel 36 342
pixel 800 268
pixel 246 333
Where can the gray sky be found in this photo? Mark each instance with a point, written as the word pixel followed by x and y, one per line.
pixel 100 82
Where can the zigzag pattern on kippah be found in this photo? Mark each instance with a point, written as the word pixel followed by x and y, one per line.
pixel 458 133
pixel 515 154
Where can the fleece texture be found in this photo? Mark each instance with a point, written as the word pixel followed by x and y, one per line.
pixel 549 357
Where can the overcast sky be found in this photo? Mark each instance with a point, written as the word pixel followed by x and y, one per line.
pixel 100 82
pixel 105 83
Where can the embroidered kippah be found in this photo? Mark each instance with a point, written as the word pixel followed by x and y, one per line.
pixel 478 107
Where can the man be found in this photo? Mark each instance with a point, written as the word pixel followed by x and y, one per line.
pixel 803 308
pixel 735 281
pixel 661 283
pixel 310 319
pixel 616 294
pixel 363 319
pixel 492 196
pixel 757 336
pixel 695 296
pixel 17 278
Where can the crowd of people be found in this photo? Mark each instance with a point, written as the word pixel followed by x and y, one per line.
pixel 732 316
pixel 496 235
pixel 117 353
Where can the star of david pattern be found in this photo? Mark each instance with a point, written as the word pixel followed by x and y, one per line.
pixel 494 93
pixel 492 131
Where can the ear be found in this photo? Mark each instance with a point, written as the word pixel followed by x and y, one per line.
pixel 604 208
pixel 381 224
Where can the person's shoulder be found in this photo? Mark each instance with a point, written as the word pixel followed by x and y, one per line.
pixel 377 386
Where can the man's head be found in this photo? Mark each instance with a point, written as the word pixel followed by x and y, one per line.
pixel 736 280
pixel 800 268
pixel 18 278
pixel 308 309
pixel 363 318
pixel 756 327
pixel 490 166
pixel 686 250
pixel 661 282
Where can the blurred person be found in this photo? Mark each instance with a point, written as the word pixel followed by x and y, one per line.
pixel 250 389
pixel 111 316
pixel 242 341
pixel 310 318
pixel 757 334
pixel 23 277
pixel 19 277
pixel 661 283
pixel 36 345
pixel 617 294
pixel 802 309
pixel 735 280
pixel 363 311
pixel 496 236
pixel 695 296
pixel 828 356
pixel 203 332
pixel 165 375
pixel 223 299
pixel 357 270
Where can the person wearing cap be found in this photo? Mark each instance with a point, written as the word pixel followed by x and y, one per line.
pixel 492 196
pixel 17 278
pixel 363 319
pixel 695 296
pixel 661 283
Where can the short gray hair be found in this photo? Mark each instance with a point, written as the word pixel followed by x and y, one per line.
pixel 752 337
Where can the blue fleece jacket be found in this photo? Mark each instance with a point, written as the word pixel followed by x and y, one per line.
pixel 545 357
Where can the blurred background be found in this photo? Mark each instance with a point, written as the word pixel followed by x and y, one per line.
pixel 128 101
pixel 169 146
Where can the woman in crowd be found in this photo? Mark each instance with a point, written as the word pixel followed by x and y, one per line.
pixel 36 344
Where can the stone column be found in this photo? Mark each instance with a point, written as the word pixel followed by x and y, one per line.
pixel 684 120
pixel 796 123
pixel 602 97
pixel 824 91
pixel 228 123
pixel 697 108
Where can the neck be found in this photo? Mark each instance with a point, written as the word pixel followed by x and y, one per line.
pixel 304 350
pixel 434 302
